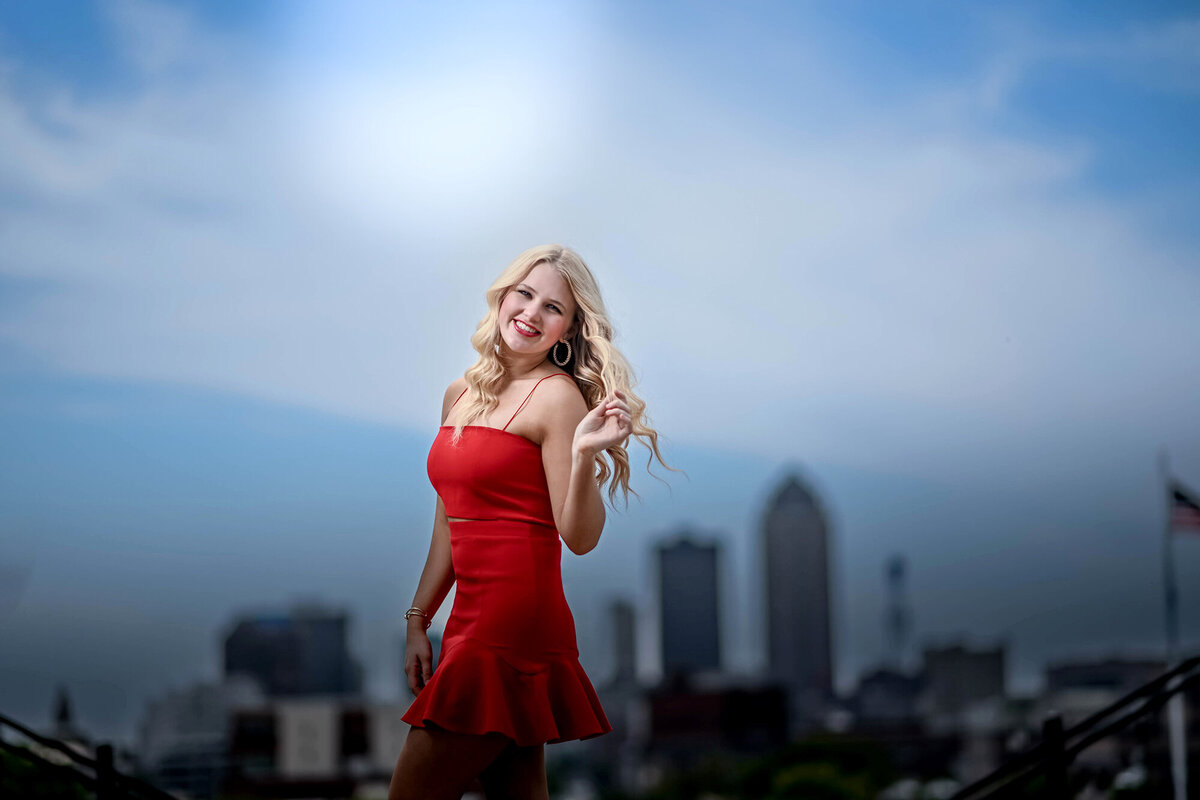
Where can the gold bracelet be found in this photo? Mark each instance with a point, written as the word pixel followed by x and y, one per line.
pixel 418 612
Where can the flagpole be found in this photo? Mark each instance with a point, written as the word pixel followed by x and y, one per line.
pixel 1175 719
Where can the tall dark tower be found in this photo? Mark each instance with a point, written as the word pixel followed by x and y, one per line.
pixel 689 605
pixel 898 618
pixel 624 623
pixel 799 646
pixel 64 725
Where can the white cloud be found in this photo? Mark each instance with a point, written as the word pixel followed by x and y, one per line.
pixel 321 232
pixel 1163 57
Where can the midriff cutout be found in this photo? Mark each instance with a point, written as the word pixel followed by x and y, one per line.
pixel 463 519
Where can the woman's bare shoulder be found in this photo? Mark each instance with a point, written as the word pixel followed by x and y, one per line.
pixel 453 392
pixel 456 387
pixel 561 398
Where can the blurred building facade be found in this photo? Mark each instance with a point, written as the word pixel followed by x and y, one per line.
pixel 288 719
pixel 886 699
pixel 897 621
pixel 313 747
pixel 796 563
pixel 623 620
pixel 956 677
pixel 304 652
pixel 689 605
pixel 687 720
pixel 184 737
pixel 1115 675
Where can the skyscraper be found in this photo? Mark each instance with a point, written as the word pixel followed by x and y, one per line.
pixel 302 653
pixel 624 631
pixel 689 606
pixel 898 617
pixel 799 647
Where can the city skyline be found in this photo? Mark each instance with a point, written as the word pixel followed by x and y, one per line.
pixel 942 265
pixel 860 644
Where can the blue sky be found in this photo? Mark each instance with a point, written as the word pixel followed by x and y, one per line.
pixel 939 258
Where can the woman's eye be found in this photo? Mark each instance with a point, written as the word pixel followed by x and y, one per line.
pixel 554 308
pixel 522 291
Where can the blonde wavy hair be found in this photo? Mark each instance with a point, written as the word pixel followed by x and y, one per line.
pixel 597 366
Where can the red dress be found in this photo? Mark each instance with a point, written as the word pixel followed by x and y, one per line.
pixel 509 661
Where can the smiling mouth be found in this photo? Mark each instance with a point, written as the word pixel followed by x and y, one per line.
pixel 525 329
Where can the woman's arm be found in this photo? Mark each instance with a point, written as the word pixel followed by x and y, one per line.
pixel 436 579
pixel 435 583
pixel 572 438
pixel 438 575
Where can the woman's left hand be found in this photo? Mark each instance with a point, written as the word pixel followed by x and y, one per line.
pixel 606 425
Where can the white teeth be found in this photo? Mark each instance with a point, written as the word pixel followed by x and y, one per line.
pixel 522 326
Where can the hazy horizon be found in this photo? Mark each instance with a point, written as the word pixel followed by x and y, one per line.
pixel 174 510
pixel 943 264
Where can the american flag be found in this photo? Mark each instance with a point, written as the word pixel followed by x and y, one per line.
pixel 1185 509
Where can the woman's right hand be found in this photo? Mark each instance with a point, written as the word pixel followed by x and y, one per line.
pixel 418 656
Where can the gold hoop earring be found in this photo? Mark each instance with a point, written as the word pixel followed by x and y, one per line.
pixel 554 352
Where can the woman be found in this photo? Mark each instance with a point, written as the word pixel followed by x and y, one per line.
pixel 508 679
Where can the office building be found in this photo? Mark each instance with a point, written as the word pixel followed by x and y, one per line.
pixel 797 565
pixel 689 606
pixel 302 653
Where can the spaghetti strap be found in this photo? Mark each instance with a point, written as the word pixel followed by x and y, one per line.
pixel 526 400
pixel 464 391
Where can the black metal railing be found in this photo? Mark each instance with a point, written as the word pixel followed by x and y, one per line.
pixel 1051 758
pixel 96 775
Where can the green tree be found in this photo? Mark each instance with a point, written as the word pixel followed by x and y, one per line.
pixel 26 777
pixel 819 781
